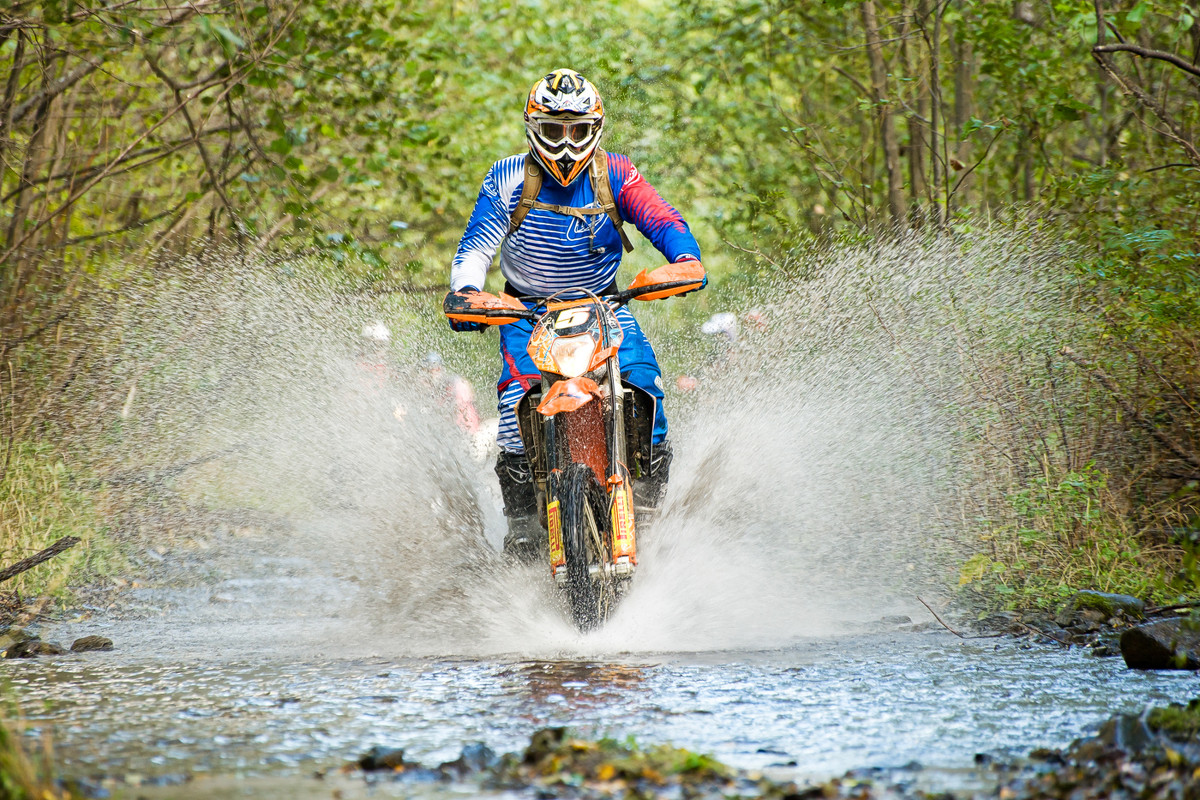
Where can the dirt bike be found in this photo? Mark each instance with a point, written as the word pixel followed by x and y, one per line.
pixel 587 436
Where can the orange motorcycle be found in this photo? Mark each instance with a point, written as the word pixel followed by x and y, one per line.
pixel 588 435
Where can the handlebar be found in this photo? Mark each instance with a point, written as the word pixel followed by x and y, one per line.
pixel 671 280
pixel 618 299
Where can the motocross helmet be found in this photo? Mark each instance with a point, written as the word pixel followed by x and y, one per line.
pixel 564 119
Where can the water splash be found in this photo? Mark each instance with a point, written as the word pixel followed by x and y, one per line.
pixel 819 481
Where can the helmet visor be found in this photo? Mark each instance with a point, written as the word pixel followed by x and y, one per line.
pixel 554 131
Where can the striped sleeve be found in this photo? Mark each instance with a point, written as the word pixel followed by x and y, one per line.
pixel 485 230
pixel 657 220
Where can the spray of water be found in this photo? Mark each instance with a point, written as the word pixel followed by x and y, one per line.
pixel 820 468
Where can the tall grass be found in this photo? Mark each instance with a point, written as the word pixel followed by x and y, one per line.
pixel 42 500
pixel 1062 533
pixel 25 775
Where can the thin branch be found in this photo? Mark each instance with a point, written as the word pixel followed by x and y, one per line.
pixel 957 633
pixel 1146 52
pixel 1155 611
pixel 758 253
pixel 972 168
pixel 1134 414
pixel 65 543
pixel 1170 166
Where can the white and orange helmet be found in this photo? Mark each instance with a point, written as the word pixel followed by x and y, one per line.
pixel 564 119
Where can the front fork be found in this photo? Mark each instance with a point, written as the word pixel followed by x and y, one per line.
pixel 620 486
pixel 621 558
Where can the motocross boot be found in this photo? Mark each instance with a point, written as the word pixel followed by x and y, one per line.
pixel 649 489
pixel 520 506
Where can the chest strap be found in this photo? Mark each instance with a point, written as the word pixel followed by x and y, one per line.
pixel 600 187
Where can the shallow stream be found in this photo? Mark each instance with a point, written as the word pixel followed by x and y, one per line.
pixel 267 674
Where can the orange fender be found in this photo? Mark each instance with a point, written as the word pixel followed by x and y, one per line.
pixel 568 395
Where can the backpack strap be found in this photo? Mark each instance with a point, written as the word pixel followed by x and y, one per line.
pixel 601 188
pixel 529 193
pixel 604 195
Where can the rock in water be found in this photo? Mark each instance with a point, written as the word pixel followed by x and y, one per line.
pixel 475 757
pixel 87 643
pixel 12 636
pixel 32 648
pixel 382 758
pixel 543 743
pixel 1161 645
pixel 1110 605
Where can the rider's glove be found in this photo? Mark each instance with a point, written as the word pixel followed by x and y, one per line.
pixel 462 326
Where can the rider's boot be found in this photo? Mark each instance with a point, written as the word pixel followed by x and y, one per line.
pixel 520 506
pixel 648 490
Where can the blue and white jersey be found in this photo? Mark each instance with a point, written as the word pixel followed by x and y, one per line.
pixel 550 251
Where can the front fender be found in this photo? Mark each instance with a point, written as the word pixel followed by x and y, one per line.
pixel 568 395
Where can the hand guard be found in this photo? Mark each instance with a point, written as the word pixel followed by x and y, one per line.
pixel 465 327
pixel 682 259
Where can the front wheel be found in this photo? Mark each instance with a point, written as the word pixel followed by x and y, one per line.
pixel 583 538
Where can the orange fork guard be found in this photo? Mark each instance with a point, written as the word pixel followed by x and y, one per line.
pixel 568 395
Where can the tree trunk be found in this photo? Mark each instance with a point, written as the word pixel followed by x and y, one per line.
pixel 936 150
pixel 23 200
pixel 886 114
pixel 964 87
pixel 915 124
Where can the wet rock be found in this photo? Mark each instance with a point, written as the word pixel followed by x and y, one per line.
pixel 1165 644
pixel 87 643
pixel 898 619
pixel 13 636
pixel 1126 732
pixel 419 774
pixel 85 787
pixel 474 758
pixel 1047 754
pixel 1003 622
pixel 32 648
pixel 1107 605
pixel 544 743
pixel 378 758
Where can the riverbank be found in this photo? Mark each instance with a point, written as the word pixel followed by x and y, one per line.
pixel 1152 755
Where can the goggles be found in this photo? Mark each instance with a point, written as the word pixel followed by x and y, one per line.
pixel 555 131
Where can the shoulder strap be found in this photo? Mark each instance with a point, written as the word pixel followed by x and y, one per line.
pixel 529 193
pixel 604 195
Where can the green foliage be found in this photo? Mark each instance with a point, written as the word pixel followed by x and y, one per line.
pixel 360 131
pixel 555 757
pixel 42 500
pixel 1175 720
pixel 1066 538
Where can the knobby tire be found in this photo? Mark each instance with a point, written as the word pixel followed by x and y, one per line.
pixel 583 594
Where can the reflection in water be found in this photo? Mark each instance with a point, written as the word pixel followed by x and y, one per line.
pixel 576 687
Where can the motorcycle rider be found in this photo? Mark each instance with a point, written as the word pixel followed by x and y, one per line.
pixel 556 233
